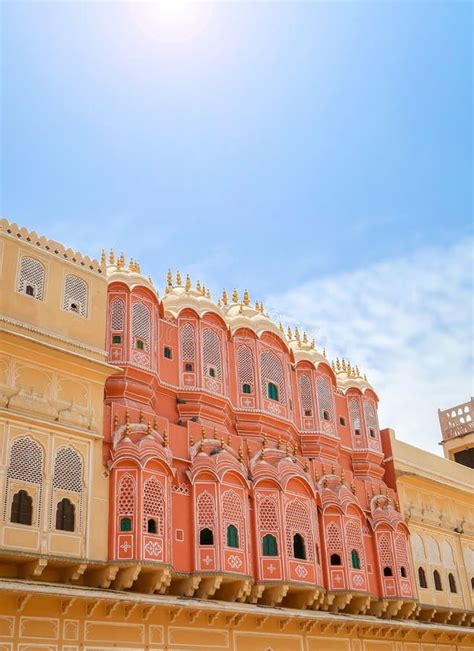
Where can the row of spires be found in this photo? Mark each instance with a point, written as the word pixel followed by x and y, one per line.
pixel 291 449
pixel 134 266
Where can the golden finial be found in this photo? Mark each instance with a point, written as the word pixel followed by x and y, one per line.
pixel 138 268
pixel 103 257
pixel 338 364
pixel 306 466
pixel 222 443
pixel 140 417
pixel 349 368
pixel 280 327
pixel 365 377
pixel 324 353
pixel 325 482
pixel 260 309
pixel 324 468
pixel 241 453
pixel 305 338
pixel 343 476
pixel 203 433
pixel 165 439
pixel 111 257
pixel 397 506
pixel 357 371
pixel 224 297
pixel 208 294
pixel 229 441
pixel 219 302
pixel 127 428
pixel 316 475
pixel 148 427
pixel 257 306
pixel 121 261
pixel 187 284
pixel 214 433
pixel 289 334
pixel 246 298
pixel 313 344
pixel 203 289
pixel 179 282
pixel 201 445
pixel 127 416
pixel 130 264
pixel 287 449
pixel 235 296
pixel 333 470
pixel 169 278
pixel 115 420
pixel 297 335
pixel 154 423
pixel 198 287
pixel 333 366
pixel 279 443
pixel 241 311
pixel 344 367
pixel 191 440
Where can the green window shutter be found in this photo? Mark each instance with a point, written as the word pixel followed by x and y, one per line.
pixel 269 545
pixel 232 536
pixel 272 391
pixel 355 559
pixel 125 524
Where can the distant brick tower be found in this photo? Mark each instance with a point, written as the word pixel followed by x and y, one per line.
pixel 457 428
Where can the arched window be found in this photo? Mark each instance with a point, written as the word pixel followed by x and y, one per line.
pixel 335 559
pixel 65 515
pixel 246 388
pixel 116 339
pixel 422 578
pixel 232 536
pixel 125 524
pixel 31 278
pixel 272 391
pixel 245 368
pixel 387 571
pixel 299 550
pixel 167 353
pixel 325 400
pixel 75 295
pixel 355 560
pixel 206 537
pixel 437 581
pixel 153 506
pixel 452 583
pixel 188 367
pixel 141 326
pixel 151 526
pixel 403 572
pixel 22 508
pixel 269 545
pixel 212 353
pixel 117 315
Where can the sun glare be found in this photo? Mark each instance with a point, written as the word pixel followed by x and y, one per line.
pixel 170 20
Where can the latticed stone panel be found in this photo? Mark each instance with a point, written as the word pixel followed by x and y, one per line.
pixel 76 294
pixel 306 394
pixel 268 515
pixel 188 343
pixel 154 504
pixel 401 550
pixel 25 465
pixel 354 541
pixel 117 315
pixel 385 550
pixel 68 470
pixel 245 367
pixel 271 370
pixel 354 414
pixel 325 398
pixel 334 544
pixel 297 520
pixel 212 353
pixel 206 511
pixel 232 513
pixel 141 324
pixel 126 495
pixel 31 273
pixel 371 416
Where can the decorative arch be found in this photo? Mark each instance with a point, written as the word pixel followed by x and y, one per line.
pixel 31 278
pixel 325 401
pixel 153 506
pixel 26 465
pixel 355 543
pixel 232 514
pixel 212 354
pixel 245 369
pixel 117 315
pixel 297 521
pixel 206 513
pixel 141 325
pixel 271 370
pixel 76 293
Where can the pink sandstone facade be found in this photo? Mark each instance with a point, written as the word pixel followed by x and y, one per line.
pixel 242 463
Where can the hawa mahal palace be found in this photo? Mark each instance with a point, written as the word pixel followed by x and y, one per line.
pixel 179 473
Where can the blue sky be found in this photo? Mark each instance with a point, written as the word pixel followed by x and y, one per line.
pixel 320 154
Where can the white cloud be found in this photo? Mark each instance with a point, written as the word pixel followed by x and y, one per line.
pixel 406 322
